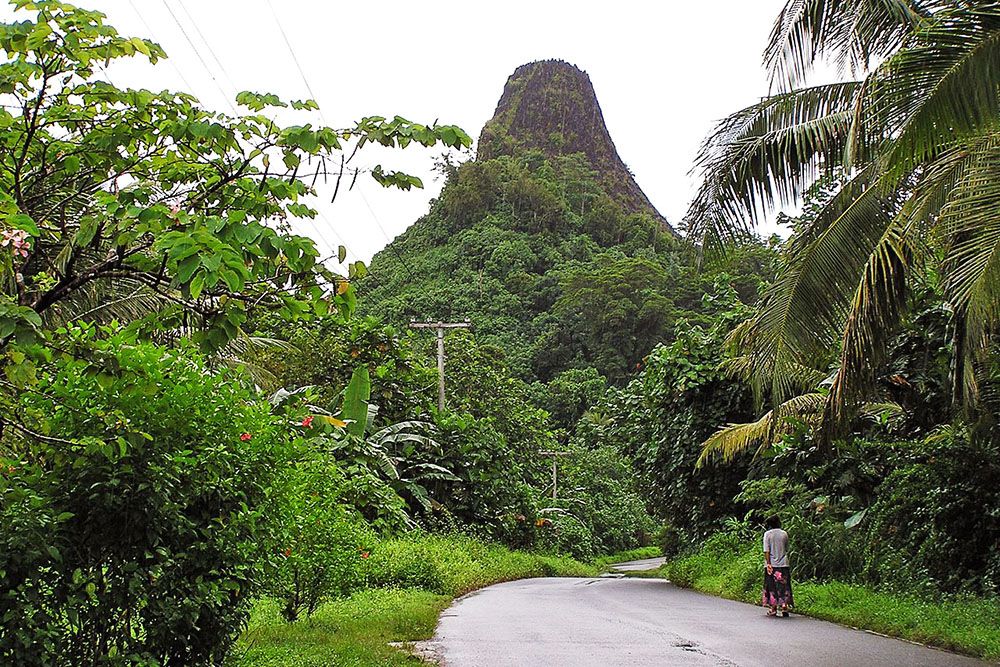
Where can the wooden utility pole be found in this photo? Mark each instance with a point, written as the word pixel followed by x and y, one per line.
pixel 555 456
pixel 440 326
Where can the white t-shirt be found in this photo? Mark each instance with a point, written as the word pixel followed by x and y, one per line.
pixel 776 543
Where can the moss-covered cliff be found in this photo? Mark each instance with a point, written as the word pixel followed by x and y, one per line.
pixel 550 105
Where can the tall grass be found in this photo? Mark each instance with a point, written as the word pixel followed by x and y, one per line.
pixel 456 564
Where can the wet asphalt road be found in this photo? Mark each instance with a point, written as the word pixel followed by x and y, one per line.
pixel 637 565
pixel 645 622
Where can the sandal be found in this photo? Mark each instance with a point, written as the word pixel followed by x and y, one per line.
pixel 772 612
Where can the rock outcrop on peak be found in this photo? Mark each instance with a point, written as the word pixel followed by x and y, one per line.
pixel 551 106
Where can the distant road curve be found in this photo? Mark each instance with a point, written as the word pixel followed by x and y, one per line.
pixel 556 622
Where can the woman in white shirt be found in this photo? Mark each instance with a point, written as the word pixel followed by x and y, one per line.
pixel 777 573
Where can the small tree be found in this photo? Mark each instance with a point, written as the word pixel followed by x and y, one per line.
pixel 118 200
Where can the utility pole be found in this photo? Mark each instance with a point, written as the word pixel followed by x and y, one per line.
pixel 555 456
pixel 440 326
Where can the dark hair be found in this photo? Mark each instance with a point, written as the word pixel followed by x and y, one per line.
pixel 773 522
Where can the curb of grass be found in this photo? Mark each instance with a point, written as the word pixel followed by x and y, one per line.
pixel 947 645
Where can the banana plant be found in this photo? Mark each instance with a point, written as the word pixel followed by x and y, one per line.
pixel 402 454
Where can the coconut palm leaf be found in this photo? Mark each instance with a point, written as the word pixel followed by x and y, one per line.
pixel 971 266
pixel 875 310
pixel 245 350
pixel 735 439
pixel 789 342
pixel 851 32
pixel 941 88
pixel 767 154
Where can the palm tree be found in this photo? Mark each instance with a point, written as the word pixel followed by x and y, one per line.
pixel 915 140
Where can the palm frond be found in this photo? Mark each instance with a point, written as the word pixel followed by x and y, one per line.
pixel 874 313
pixel 794 330
pixel 851 32
pixel 941 87
pixel 244 352
pixel 768 154
pixel 971 268
pixel 735 439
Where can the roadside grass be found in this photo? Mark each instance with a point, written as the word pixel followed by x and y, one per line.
pixel 456 564
pixel 408 582
pixel 354 632
pixel 729 568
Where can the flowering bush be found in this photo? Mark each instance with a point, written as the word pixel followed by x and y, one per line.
pixel 18 241
pixel 320 539
pixel 134 509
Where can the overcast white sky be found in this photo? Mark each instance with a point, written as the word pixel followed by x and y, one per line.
pixel 664 72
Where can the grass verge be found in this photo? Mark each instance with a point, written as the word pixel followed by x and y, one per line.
pixel 729 567
pixel 409 581
pixel 343 633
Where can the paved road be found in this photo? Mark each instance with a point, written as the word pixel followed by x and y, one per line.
pixel 645 622
pixel 637 565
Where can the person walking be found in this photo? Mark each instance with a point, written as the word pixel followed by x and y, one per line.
pixel 777 573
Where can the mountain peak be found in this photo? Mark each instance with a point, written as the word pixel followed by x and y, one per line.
pixel 550 105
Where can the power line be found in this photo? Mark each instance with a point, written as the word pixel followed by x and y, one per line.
pixel 388 241
pixel 295 59
pixel 319 230
pixel 312 95
pixel 169 60
pixel 208 45
pixel 200 58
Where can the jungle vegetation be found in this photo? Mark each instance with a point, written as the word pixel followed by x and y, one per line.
pixel 202 419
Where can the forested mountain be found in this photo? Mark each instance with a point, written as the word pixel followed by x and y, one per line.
pixel 548 246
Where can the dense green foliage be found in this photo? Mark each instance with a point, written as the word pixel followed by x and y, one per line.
pixel 196 420
pixel 132 519
pixel 547 267
pixel 660 419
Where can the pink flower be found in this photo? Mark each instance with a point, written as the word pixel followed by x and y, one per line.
pixel 307 422
pixel 17 239
pixel 777 576
pixel 245 437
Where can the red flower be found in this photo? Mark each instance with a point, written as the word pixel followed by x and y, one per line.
pixel 287 552
pixel 245 437
pixel 307 422
pixel 364 554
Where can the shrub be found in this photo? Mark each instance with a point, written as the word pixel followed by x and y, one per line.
pixel 567 534
pixel 131 519
pixel 727 564
pixel 936 511
pixel 319 542
pixel 670 540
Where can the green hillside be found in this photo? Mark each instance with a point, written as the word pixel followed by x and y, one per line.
pixel 548 268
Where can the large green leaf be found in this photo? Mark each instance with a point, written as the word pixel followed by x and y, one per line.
pixel 355 408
